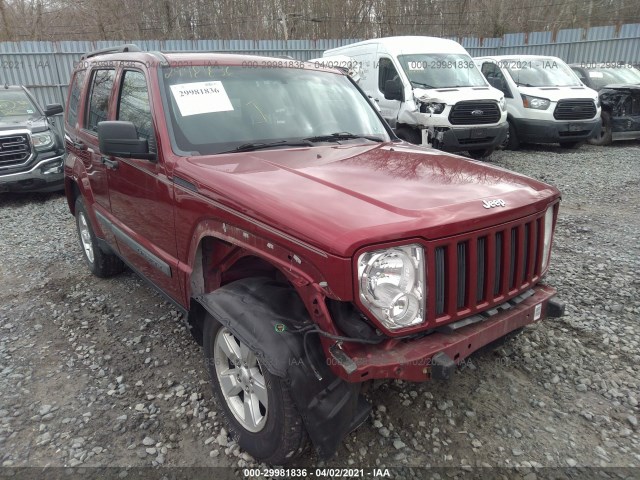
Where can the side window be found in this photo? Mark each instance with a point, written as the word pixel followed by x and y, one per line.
pixel 580 74
pixel 386 71
pixel 74 98
pixel 99 99
pixel 133 105
pixel 495 77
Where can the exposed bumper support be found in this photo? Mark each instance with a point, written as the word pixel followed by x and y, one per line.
pixel 420 359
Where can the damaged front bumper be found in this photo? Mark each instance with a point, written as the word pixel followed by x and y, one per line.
pixel 459 139
pixel 425 358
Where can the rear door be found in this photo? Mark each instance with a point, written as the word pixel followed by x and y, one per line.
pixel 140 193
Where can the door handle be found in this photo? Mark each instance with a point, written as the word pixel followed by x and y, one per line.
pixel 110 164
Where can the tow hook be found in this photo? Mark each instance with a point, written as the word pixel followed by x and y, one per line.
pixel 442 366
pixel 555 308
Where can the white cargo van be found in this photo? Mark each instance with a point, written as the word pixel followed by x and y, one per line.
pixel 430 92
pixel 546 101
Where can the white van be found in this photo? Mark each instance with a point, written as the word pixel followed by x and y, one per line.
pixel 546 101
pixel 430 92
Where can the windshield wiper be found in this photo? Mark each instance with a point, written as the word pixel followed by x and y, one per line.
pixel 425 85
pixel 249 147
pixel 524 84
pixel 336 137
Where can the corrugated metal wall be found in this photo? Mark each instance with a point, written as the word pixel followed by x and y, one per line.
pixel 45 66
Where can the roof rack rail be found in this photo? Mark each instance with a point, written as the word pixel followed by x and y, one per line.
pixel 127 47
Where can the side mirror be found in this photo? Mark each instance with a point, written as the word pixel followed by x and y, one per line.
pixel 120 139
pixel 499 84
pixel 393 90
pixel 52 109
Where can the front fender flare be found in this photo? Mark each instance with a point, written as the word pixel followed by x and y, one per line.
pixel 252 308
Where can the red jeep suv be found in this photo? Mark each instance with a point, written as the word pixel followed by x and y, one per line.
pixel 309 249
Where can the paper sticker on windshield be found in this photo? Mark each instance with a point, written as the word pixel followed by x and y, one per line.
pixel 596 75
pixel 417 65
pixel 29 111
pixel 201 97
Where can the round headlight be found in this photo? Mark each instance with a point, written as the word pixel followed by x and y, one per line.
pixel 392 285
pixel 387 274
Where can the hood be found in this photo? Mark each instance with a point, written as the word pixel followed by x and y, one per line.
pixel 453 95
pixel 635 87
pixel 13 123
pixel 339 198
pixel 558 93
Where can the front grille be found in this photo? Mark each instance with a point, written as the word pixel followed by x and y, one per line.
pixel 474 272
pixel 575 110
pixel 15 150
pixel 474 113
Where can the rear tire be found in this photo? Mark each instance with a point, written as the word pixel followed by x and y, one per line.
pixel 101 264
pixel 270 429
pixel 606 132
pixel 410 135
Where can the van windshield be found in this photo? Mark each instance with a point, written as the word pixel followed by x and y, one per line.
pixel 441 70
pixel 16 106
pixel 541 72
pixel 607 76
pixel 215 109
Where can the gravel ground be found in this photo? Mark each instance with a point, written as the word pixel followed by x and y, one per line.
pixel 102 372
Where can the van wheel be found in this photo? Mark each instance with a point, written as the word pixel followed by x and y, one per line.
pixel 571 145
pixel 409 135
pixel 257 405
pixel 606 133
pixel 480 154
pixel 511 142
pixel 101 264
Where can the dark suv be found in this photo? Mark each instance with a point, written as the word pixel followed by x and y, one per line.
pixel 31 150
pixel 309 249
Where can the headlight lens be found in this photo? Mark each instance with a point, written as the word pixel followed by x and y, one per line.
pixel 536 103
pixel 548 231
pixel 392 285
pixel 434 107
pixel 42 141
pixel 503 104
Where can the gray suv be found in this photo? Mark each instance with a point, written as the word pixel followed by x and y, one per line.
pixel 31 150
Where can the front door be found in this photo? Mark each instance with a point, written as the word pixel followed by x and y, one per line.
pixel 389 109
pixel 140 194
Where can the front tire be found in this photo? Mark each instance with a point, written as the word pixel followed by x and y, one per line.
pixel 258 408
pixel 571 145
pixel 101 264
pixel 606 132
pixel 410 135
pixel 511 142
pixel 481 154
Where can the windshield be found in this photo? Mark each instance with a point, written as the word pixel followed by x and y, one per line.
pixel 541 72
pixel 219 109
pixel 16 106
pixel 441 70
pixel 607 76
